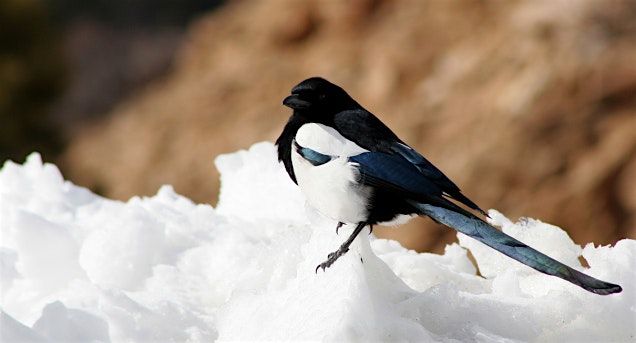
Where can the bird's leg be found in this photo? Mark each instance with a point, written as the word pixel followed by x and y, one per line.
pixel 340 224
pixel 331 258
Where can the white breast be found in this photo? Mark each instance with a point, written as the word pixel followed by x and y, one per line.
pixel 331 188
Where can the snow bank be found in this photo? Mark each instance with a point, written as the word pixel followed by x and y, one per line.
pixel 78 267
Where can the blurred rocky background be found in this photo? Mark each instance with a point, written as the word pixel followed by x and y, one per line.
pixel 64 63
pixel 530 106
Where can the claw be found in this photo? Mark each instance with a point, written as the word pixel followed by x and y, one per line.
pixel 331 258
pixel 370 229
pixel 340 224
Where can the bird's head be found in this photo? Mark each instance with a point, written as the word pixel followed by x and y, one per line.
pixel 318 98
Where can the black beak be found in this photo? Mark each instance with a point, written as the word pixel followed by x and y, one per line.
pixel 295 102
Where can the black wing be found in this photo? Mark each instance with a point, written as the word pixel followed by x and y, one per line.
pixel 369 132
pixel 394 173
pixel 397 175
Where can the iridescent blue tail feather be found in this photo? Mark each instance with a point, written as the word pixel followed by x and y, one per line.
pixel 489 235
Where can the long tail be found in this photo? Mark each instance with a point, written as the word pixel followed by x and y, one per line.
pixel 487 234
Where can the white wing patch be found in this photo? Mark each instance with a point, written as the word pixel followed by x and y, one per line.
pixel 326 140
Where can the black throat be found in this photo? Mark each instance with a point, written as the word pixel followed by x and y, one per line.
pixel 284 142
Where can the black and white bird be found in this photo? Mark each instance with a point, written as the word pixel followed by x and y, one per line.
pixel 353 169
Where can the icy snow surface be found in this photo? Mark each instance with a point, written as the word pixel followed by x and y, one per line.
pixel 79 267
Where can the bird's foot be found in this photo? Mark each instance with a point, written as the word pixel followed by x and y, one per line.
pixel 340 224
pixel 331 258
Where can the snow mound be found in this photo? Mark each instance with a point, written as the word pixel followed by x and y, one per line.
pixel 79 267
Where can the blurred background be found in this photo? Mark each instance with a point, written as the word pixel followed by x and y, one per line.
pixel 529 106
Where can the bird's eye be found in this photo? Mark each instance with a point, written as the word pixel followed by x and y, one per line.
pixel 322 96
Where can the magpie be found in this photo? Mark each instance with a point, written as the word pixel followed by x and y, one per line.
pixel 354 170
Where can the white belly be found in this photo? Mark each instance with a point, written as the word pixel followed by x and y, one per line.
pixel 331 188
